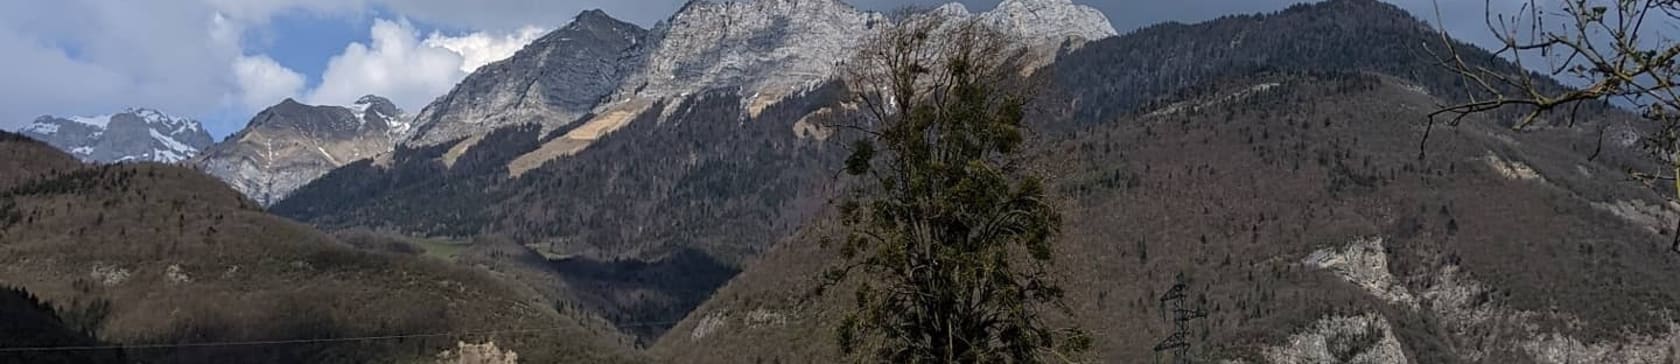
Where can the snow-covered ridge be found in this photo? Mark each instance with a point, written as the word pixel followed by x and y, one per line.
pixel 95 121
pixel 174 151
pixel 372 107
pixel 135 134
pixel 150 116
pixel 42 128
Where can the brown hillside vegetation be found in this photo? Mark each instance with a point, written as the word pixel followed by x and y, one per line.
pixel 28 159
pixel 1297 210
pixel 156 254
pixel 646 222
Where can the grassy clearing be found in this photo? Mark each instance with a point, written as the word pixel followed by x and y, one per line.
pixel 439 248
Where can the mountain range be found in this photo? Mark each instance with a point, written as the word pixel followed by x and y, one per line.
pixel 661 194
pixel 133 135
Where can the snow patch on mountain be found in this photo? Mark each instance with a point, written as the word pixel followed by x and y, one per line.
pixel 42 128
pixel 174 151
pixel 98 121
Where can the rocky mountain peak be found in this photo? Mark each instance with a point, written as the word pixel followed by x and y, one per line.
pixel 767 48
pixel 288 103
pixel 553 81
pixel 376 110
pixel 771 49
pixel 593 17
pixel 377 103
pixel 1051 20
pixel 291 143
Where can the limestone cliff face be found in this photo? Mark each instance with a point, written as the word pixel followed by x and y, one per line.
pixel 771 49
pixel 553 81
pixel 291 144
pixel 1051 21
pixel 766 48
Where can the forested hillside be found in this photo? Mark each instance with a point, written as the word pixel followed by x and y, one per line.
pixel 1302 213
pixel 1114 77
pixel 157 254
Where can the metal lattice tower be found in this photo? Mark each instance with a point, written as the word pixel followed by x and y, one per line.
pixel 1178 343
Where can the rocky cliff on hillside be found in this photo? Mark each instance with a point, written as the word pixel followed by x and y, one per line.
pixel 290 144
pixel 1050 21
pixel 767 48
pixel 772 49
pixel 553 81
pixel 133 135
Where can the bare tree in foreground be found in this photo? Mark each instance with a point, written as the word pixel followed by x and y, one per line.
pixel 1617 48
pixel 950 241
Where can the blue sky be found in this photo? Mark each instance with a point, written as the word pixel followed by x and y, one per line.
pixel 304 41
pixel 222 60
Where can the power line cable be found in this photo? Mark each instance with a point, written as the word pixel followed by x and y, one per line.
pixel 304 341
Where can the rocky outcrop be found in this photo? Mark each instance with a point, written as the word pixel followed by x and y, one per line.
pixel 291 144
pixel 133 135
pixel 1459 302
pixel 1363 339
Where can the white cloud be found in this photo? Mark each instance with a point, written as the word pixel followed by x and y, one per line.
pixel 480 49
pixel 263 82
pixel 257 12
pixel 410 72
pixel 109 55
pixel 187 57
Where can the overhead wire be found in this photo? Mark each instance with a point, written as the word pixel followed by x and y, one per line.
pixel 304 341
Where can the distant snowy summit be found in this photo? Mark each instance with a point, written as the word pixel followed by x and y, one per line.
pixel 133 135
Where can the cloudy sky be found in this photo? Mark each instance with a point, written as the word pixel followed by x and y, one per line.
pixel 222 60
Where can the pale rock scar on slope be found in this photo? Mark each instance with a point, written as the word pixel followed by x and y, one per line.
pixel 576 140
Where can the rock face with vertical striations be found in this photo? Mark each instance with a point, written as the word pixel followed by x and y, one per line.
pixel 768 49
pixel 553 81
pixel 290 144
pixel 133 135
pixel 1049 21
